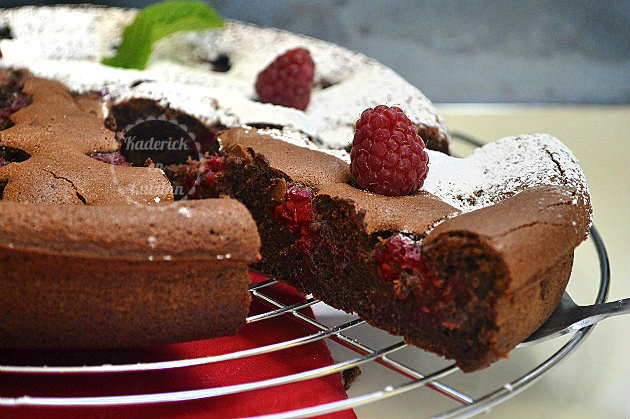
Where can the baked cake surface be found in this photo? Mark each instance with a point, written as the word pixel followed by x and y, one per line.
pixel 76 276
pixel 93 255
pixel 467 267
pixel 66 43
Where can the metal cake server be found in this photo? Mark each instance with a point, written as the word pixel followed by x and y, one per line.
pixel 569 317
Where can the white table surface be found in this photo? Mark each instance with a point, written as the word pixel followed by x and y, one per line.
pixel 594 380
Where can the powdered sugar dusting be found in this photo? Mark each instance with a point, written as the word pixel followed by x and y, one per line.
pixel 66 43
pixel 67 33
pixel 492 173
pixel 185 212
pixel 502 169
pixel 299 139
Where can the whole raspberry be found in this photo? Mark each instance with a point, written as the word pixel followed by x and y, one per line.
pixel 297 210
pixel 288 80
pixel 388 155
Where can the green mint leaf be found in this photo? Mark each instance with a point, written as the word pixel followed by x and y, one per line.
pixel 156 22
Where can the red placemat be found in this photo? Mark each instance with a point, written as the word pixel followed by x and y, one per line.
pixel 250 403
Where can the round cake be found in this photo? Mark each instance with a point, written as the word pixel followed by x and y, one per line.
pixel 67 44
pixel 466 267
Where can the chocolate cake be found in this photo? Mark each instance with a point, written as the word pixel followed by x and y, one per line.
pixel 466 267
pixel 92 254
pixel 81 276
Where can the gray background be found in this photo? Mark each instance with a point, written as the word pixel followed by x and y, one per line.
pixel 539 51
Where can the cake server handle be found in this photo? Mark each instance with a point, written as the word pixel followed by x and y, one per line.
pixel 569 317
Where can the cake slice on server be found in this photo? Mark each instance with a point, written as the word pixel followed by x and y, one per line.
pixel 466 267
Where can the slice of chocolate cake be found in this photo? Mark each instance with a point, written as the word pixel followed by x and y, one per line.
pixel 467 276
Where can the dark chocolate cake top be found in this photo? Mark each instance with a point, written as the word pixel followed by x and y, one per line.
pixel 58 132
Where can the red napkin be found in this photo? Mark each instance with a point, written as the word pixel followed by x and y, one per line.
pixel 251 403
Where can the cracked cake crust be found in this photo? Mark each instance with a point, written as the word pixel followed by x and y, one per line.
pixel 59 132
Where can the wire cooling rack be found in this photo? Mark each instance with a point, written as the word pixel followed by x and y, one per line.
pixel 410 376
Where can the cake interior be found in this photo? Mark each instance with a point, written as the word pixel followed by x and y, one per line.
pixel 322 248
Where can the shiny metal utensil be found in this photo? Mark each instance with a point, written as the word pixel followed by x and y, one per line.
pixel 569 317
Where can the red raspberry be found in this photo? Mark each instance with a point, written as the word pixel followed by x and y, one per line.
pixel 297 210
pixel 113 157
pixel 204 182
pixel 401 261
pixel 388 155
pixel 288 80
pixel 296 214
pixel 11 100
pixel 400 253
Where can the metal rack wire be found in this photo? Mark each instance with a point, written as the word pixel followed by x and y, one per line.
pixel 413 377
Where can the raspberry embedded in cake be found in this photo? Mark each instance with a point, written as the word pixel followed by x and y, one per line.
pixel 388 155
pixel 401 262
pixel 296 214
pixel 288 80
pixel 204 182
pixel 12 103
pixel 113 157
pixel 12 99
pixel 399 253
